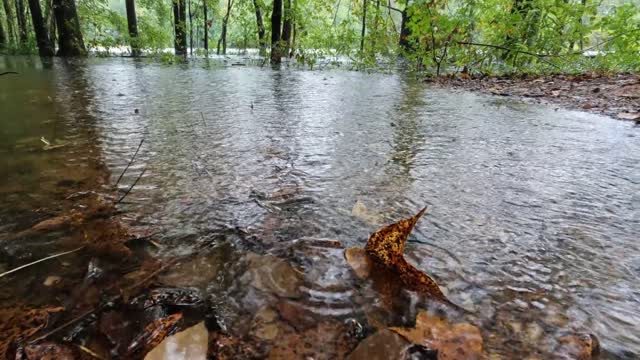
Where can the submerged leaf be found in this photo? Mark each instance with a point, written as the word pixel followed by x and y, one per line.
pixel 188 344
pixel 154 333
pixel 359 261
pixel 451 341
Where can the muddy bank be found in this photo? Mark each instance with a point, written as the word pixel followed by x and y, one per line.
pixel 617 96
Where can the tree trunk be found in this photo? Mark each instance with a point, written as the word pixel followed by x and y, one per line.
pixel 190 30
pixel 179 23
pixel 3 37
pixel 276 20
pixel 405 32
pixel 132 23
pixel 286 28
pixel 9 15
pixel 70 41
pixel 364 24
pixel 223 35
pixel 49 20
pixel 206 27
pixel 45 44
pixel 261 30
pixel 22 21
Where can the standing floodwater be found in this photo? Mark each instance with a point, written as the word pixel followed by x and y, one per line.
pixel 533 212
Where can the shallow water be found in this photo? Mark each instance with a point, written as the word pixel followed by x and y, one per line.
pixel 533 212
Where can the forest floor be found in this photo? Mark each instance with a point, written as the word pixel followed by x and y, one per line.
pixel 617 96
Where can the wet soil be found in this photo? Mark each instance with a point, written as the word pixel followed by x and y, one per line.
pixel 617 96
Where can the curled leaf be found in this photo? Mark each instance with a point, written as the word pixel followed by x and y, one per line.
pixel 387 244
pixel 386 247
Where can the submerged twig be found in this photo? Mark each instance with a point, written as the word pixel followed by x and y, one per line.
pixel 8 72
pixel 130 162
pixel 39 261
pixel 203 121
pixel 131 187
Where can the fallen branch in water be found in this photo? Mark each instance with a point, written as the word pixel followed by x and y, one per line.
pixel 39 261
pixel 130 162
pixel 8 72
pixel 131 187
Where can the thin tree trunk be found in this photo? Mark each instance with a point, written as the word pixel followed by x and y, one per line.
pixel 190 30
pixel 223 35
pixel 405 32
pixel 45 44
pixel 132 23
pixel 261 30
pixel 9 16
pixel 70 42
pixel 292 48
pixel 364 24
pixel 276 20
pixel 3 37
pixel 50 20
pixel 179 23
pixel 286 28
pixel 22 21
pixel 206 28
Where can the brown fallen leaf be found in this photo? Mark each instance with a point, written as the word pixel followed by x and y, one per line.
pixel 359 261
pixel 451 341
pixel 387 244
pixel 153 334
pixel 578 347
pixel 18 324
pixel 629 115
pixel 385 248
pixel 49 351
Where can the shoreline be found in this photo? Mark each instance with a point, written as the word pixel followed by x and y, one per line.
pixel 616 96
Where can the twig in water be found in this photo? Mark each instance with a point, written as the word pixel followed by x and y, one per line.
pixel 8 72
pixel 130 162
pixel 39 261
pixel 203 121
pixel 132 185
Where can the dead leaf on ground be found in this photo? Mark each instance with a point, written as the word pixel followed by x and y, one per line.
pixel 578 347
pixel 452 341
pixel 19 324
pixel 153 334
pixel 359 261
pixel 49 351
pixel 629 115
pixel 190 344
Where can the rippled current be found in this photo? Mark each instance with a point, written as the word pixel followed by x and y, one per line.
pixel 533 211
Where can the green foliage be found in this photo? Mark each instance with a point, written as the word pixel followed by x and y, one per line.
pixel 443 36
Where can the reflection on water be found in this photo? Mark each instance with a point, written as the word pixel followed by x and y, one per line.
pixel 533 215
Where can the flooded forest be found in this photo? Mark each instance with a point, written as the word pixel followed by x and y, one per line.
pixel 310 179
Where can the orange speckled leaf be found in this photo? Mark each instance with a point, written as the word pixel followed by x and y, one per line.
pixel 388 243
pixel 386 247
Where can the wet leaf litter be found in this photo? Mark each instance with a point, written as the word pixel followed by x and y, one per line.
pixel 171 328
